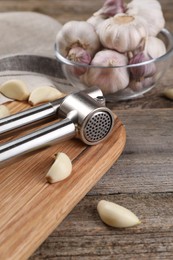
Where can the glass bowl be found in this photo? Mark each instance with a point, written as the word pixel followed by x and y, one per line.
pixel 71 69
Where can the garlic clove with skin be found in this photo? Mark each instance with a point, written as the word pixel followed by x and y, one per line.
pixel 108 78
pixel 77 34
pixel 141 84
pixel 122 32
pixel 146 70
pixel 79 55
pixel 155 47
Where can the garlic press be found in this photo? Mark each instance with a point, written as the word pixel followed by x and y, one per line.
pixel 84 115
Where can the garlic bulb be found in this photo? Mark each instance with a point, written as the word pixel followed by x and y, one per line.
pixel 111 8
pixel 77 34
pixel 155 47
pixel 108 78
pixel 122 32
pixel 151 11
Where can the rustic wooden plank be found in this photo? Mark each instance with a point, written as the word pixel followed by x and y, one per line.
pixel 141 180
pixel 146 164
pixel 83 236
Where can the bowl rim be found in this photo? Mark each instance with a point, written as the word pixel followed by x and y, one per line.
pixel 168 35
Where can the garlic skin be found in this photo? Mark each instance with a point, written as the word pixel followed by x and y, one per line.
pixel 60 169
pixel 111 8
pixel 107 78
pixel 155 47
pixel 44 94
pixel 151 11
pixel 4 111
pixel 96 20
pixel 115 215
pixel 15 89
pixel 122 32
pixel 77 34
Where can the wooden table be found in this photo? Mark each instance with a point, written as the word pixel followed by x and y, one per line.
pixel 141 180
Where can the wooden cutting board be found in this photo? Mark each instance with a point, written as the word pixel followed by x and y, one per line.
pixel 30 208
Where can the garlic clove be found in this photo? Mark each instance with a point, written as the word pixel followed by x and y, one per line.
pixel 115 215
pixel 155 47
pixel 4 111
pixel 79 55
pixel 44 94
pixel 146 70
pixel 141 84
pixel 15 89
pixel 168 93
pixel 122 32
pixel 77 34
pixel 61 168
pixel 108 78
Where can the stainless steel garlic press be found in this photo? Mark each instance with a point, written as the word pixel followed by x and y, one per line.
pixel 84 115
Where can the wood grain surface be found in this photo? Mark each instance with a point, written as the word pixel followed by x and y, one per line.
pixel 141 180
pixel 30 207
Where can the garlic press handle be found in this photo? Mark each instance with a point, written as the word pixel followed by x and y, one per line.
pixel 29 116
pixel 59 131
pixel 41 112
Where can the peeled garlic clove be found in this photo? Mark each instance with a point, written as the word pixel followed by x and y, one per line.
pixel 77 34
pixel 4 111
pixel 155 47
pixel 155 19
pixel 147 70
pixel 107 78
pixel 168 93
pixel 15 89
pixel 122 32
pixel 111 8
pixel 44 94
pixel 61 168
pixel 115 215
